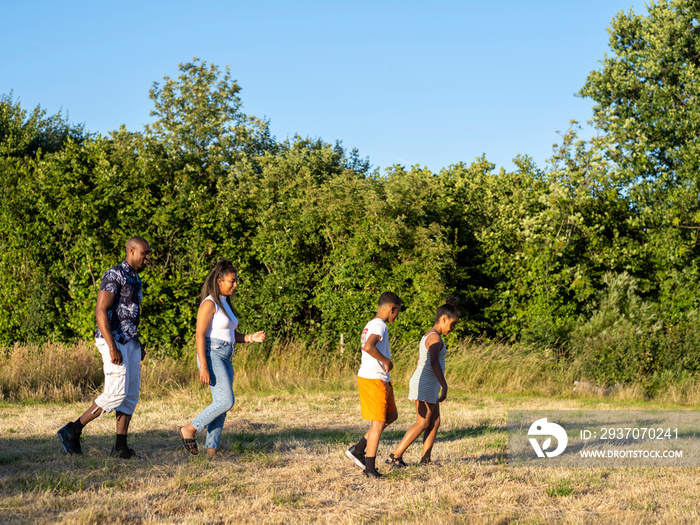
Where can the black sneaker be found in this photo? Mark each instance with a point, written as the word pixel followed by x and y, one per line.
pixel 123 453
pixel 372 474
pixel 396 462
pixel 356 457
pixel 70 441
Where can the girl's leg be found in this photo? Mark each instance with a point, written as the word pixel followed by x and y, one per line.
pixel 424 414
pixel 224 376
pixel 429 435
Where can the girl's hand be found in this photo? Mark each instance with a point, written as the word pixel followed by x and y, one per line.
pixel 204 376
pixel 443 394
pixel 258 337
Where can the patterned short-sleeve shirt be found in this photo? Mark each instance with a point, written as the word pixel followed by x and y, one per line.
pixel 125 283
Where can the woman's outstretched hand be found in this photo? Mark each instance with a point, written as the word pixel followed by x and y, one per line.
pixel 258 337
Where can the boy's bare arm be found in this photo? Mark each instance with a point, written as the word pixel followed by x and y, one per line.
pixel 371 348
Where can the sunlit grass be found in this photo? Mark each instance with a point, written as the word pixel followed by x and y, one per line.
pixel 68 373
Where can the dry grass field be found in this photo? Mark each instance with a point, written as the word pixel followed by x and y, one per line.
pixel 283 461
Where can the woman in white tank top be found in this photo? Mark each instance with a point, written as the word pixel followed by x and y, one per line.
pixel 216 337
pixel 427 382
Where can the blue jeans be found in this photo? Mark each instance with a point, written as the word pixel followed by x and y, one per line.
pixel 219 354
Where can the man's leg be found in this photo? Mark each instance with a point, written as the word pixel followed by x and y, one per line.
pixel 131 353
pixel 123 421
pixel 90 414
pixel 69 435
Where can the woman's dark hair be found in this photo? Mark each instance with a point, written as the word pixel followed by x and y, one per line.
pixel 449 309
pixel 211 283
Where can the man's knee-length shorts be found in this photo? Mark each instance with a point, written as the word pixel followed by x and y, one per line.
pixel 122 382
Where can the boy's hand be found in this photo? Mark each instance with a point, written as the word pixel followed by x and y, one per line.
pixel 388 365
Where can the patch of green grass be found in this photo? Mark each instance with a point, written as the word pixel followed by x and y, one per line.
pixel 560 489
pixel 56 482
pixel 293 500
pixel 497 443
pixel 647 506
pixel 197 487
pixel 9 458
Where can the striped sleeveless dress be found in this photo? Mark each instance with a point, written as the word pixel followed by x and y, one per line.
pixel 424 385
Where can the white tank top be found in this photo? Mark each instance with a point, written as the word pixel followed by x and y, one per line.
pixel 222 326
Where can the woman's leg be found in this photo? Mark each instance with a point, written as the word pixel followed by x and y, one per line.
pixel 218 357
pixel 424 413
pixel 429 435
pixel 225 378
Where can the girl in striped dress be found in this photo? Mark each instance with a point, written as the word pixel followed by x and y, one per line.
pixel 428 387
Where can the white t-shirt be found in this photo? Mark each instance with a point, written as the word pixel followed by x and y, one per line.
pixel 372 368
pixel 222 326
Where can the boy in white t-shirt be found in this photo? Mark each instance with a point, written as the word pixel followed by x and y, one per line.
pixel 376 394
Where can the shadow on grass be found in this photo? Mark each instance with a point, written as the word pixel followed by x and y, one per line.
pixel 164 447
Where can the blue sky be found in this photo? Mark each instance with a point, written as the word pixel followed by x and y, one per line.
pixel 405 82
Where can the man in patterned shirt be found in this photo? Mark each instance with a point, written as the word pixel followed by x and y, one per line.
pixel 117 314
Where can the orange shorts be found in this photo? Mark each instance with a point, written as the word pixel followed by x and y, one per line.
pixel 376 398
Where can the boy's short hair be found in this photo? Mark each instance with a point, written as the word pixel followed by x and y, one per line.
pixel 389 298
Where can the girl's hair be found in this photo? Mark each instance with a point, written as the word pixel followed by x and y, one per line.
pixel 449 309
pixel 211 283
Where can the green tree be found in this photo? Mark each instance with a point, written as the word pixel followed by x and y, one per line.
pixel 199 117
pixel 25 133
pixel 27 291
pixel 647 105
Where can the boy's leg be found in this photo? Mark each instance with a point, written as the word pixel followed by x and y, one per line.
pixel 390 418
pixel 375 430
pixel 373 435
pixel 391 412
pixel 429 435
pixel 424 413
pixel 373 404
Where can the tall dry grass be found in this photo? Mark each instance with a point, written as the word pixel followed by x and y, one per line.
pixel 481 364
pixel 61 372
pixel 51 371
pixel 73 372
